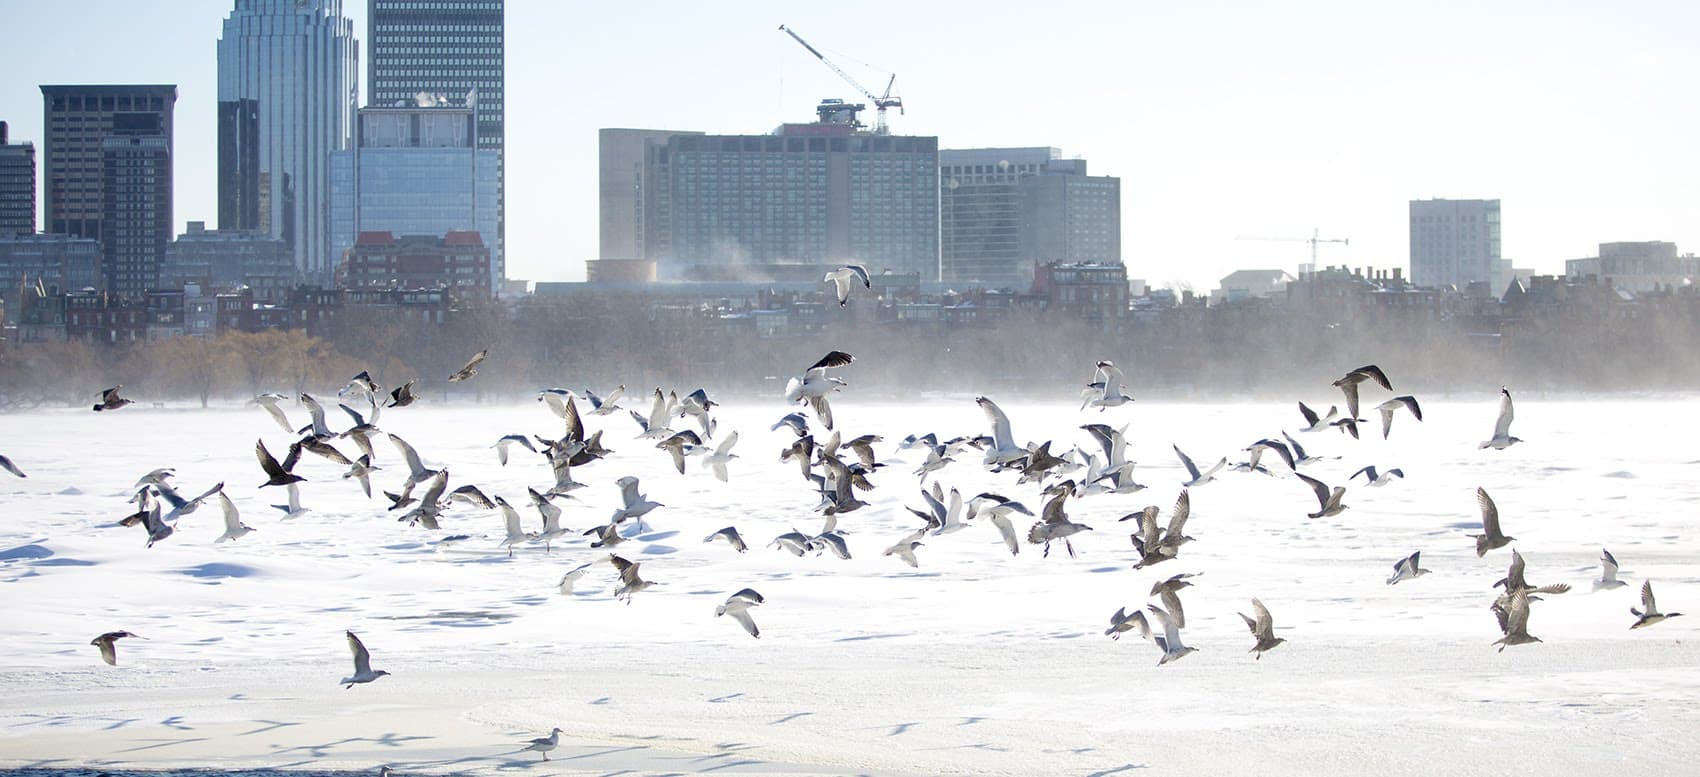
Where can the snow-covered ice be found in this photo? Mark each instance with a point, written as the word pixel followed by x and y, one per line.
pixel 973 663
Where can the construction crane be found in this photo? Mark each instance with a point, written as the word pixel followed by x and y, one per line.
pixel 1312 240
pixel 881 102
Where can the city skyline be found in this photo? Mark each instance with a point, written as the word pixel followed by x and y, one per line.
pixel 1223 122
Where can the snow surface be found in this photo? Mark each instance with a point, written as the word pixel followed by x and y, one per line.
pixel 975 663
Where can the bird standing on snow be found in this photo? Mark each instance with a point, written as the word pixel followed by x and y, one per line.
pixel 545 744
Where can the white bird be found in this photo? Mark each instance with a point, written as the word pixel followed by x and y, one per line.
pixel 234 528
pixel 844 277
pixel 904 549
pixel 1195 477
pixel 571 577
pixel 1649 613
pixel 721 456
pixel 1122 622
pixel 1315 423
pixel 795 542
pixel 1378 479
pixel 1608 572
pixel 318 428
pixel 293 508
pixel 510 519
pixel 545 744
pixel 1170 639
pixel 363 672
pixel 417 473
pixel 1107 388
pixel 738 606
pixel 1390 406
pixel 605 405
pixel 503 444
pixel 632 503
pixel 731 536
pixel 814 385
pixel 1502 438
pixel 1407 569
pixel 1002 450
pixel 269 402
pixel 654 427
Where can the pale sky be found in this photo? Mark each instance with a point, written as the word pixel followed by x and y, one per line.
pixel 1223 119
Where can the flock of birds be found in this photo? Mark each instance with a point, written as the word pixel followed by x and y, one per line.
pixel 839 473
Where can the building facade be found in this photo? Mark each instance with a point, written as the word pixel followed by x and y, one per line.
pixel 458 263
pixel 298 62
pixel 56 263
pixel 1005 211
pixel 1637 267
pixel 449 48
pixel 415 171
pixel 17 186
pixel 1456 243
pixel 136 219
pixel 818 194
pixel 219 260
pixel 635 193
pixel 76 121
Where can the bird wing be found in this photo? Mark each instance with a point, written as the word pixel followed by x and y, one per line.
pixel 657 411
pixel 1309 414
pixel 1318 486
pixel 934 506
pixel 1001 436
pixel 1608 566
pixel 1053 512
pixel 1186 461
pixel 1502 426
pixel 267 463
pixel 823 411
pixel 574 424
pixel 1374 373
pixel 1647 598
pixel 1265 627
pixel 362 658
pixel 861 274
pixel 1171 630
pixel 726 444
pixel 416 466
pixel 1172 602
pixel 1350 389
pixel 510 518
pixel 1490 514
pixel 232 518
pixel 1517 614
pixel 841 285
pixel 1514 575
pixel 1177 519
pixel 629 491
pixel 434 492
pixel 7 465
pixel 832 359
pixel 475 360
pixel 1007 529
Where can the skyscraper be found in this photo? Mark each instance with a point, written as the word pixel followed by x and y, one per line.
pixel 298 61
pixel 17 186
pixel 1004 211
pixel 1455 243
pixel 76 121
pixel 452 49
pixel 136 216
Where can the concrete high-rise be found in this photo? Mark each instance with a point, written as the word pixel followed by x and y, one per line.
pixel 1005 211
pixel 1456 243
pixel 17 186
pixel 635 193
pixel 414 171
pixel 451 49
pixel 298 61
pixel 76 121
pixel 136 218
pixel 809 194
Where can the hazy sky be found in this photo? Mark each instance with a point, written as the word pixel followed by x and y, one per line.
pixel 1223 120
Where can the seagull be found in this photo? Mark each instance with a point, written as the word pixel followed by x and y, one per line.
pixel 1107 384
pixel 180 506
pixel 654 427
pixel 362 430
pixel 1407 568
pixel 417 473
pixel 1122 622
pixel 471 367
pixel 1502 438
pixel 507 441
pixel 936 460
pixel 731 536
pixel 1276 446
pixel 1328 501
pixel 361 470
pixel 831 540
pixel 1314 423
pixel 293 508
pixel 604 406
pixel 1002 451
pixel 471 495
pixel 721 456
pixel 1169 591
pixel 1263 628
pixel 1378 479
pixel 156 477
pixel 1197 478
pixel 1348 385
pixel 109 400
pixel 510 519
pixel 844 277
pixel 234 528
pixel 1491 537
pixel 1651 614
pixel 839 496
pixel 1390 406
pixel 999 508
pixel 1514 620
pixel 1055 525
pixel 697 405
pixel 630 583
pixel 904 549
pixel 738 606
pixel 556 399
pixel 794 541
pixel 430 505
pixel 633 504
pixel 149 519
pixel 1608 572
pixel 277 474
pixel 6 464
pixel 325 449
pixel 402 396
pixel 318 429
pixel 545 744
pixel 814 385
pixel 567 580
pixel 796 422
pixel 269 402
pixel 1170 639
pixel 363 672
pixel 108 647
pixel 680 445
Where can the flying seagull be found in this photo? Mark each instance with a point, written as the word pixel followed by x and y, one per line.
pixel 731 536
pixel 630 582
pixel 1122 622
pixel 545 744
pixel 1263 628
pixel 844 277
pixel 1392 405
pixel 1514 621
pixel 109 400
pixel 503 444
pixel 276 474
pixel 471 367
pixel 269 402
pixel 1649 613
pixel 1170 639
pixel 1608 572
pixel 1406 569
pixel 148 517
pixel 1348 385
pixel 402 396
pixel 1329 501
pixel 1315 423
pixel 108 647
pixel 604 405
pixel 738 606
pixel 1502 438
pixel 571 577
pixel 1196 478
pixel 1378 479
pixel 1002 451
pixel 814 385
pixel 363 672
pixel 234 528
pixel 1491 537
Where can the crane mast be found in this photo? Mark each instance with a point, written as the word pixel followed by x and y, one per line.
pixel 881 102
